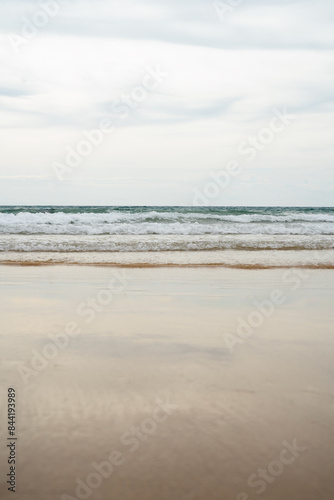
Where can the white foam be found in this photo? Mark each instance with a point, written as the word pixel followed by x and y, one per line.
pixel 159 243
pixel 164 223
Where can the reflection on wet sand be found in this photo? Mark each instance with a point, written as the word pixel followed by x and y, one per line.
pixel 148 401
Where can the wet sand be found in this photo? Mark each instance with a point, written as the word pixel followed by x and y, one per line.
pixel 235 259
pixel 149 390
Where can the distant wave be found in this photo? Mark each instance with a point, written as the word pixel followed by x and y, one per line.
pixel 161 229
pixel 153 222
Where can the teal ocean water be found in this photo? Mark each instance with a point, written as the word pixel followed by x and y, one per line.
pixel 100 229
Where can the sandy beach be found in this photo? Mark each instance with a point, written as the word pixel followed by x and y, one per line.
pixel 166 250
pixel 205 383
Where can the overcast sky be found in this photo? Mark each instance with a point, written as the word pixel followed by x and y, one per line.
pixel 186 85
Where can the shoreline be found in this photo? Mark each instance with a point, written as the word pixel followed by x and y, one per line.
pixel 229 259
pixel 170 265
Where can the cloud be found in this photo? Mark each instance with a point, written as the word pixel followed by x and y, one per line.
pixel 225 77
pixel 14 92
pixel 25 177
pixel 252 24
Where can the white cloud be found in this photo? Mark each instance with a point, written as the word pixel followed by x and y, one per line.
pixel 224 80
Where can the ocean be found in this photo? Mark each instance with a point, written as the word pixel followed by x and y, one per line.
pixel 236 236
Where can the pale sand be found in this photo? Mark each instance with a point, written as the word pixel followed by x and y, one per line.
pixel 163 337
